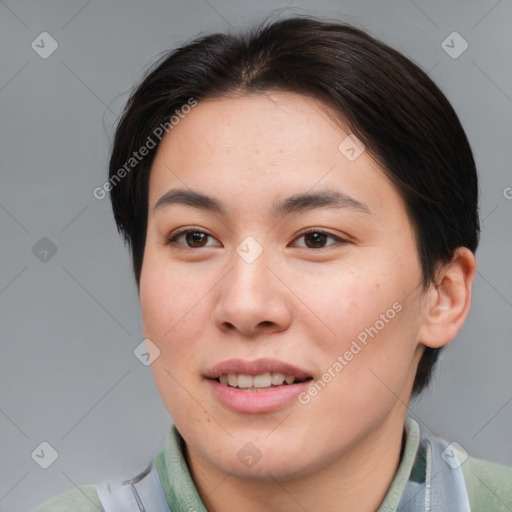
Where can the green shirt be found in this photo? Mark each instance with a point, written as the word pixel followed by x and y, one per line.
pixel 489 485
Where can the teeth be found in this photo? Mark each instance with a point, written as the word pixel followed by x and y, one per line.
pixel 264 380
pixel 277 378
pixel 244 381
pixel 290 379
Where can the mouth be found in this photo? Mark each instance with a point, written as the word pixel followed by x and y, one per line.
pixel 260 382
pixel 258 386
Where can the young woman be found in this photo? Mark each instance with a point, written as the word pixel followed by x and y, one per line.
pixel 300 202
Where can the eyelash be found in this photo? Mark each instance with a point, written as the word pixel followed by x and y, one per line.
pixel 173 239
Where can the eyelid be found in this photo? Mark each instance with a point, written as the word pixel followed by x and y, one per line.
pixel 322 231
pixel 171 238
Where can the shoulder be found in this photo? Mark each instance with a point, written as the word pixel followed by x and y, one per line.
pixel 81 499
pixel 489 485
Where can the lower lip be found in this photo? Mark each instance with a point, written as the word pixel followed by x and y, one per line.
pixel 268 400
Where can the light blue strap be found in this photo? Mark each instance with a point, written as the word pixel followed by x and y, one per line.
pixel 144 493
pixel 447 480
pixel 442 488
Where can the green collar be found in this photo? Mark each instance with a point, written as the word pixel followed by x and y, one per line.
pixel 182 494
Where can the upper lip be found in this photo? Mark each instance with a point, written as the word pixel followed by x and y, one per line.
pixel 255 367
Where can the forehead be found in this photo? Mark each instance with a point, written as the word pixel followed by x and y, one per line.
pixel 269 125
pixel 260 146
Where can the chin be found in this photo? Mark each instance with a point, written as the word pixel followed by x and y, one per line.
pixel 262 458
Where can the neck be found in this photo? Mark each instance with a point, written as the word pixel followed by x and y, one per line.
pixel 357 480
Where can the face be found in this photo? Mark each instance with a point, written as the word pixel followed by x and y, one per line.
pixel 272 254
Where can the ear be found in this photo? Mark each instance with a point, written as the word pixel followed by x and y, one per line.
pixel 447 301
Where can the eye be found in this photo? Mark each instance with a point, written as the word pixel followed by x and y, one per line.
pixel 315 239
pixel 196 239
pixel 192 238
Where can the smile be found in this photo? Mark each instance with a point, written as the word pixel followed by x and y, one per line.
pixel 256 382
pixel 257 386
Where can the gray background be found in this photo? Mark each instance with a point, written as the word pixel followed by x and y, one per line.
pixel 70 323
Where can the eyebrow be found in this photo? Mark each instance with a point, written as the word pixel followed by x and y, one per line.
pixel 292 204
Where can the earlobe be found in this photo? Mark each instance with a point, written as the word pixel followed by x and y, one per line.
pixel 447 301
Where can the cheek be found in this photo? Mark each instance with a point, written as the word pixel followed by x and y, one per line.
pixel 172 308
pixel 349 302
pixel 172 312
pixel 372 325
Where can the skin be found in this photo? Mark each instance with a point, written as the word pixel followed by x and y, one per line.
pixel 300 304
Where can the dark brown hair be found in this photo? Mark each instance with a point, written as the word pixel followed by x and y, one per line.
pixel 387 101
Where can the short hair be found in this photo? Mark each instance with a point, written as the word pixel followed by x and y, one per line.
pixel 404 120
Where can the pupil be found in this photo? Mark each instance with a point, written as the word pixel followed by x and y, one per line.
pixel 196 239
pixel 315 239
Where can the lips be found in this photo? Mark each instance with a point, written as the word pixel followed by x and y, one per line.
pixel 260 386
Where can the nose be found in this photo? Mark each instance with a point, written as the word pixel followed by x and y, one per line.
pixel 252 300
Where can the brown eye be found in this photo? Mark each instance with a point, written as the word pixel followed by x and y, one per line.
pixel 196 238
pixel 315 240
pixel 192 239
